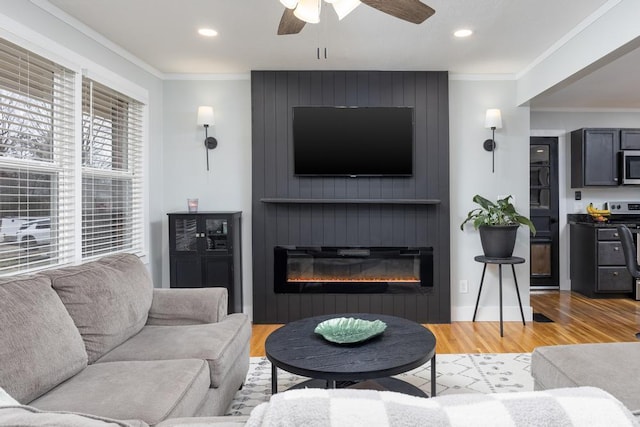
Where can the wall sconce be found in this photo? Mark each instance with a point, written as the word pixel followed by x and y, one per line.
pixel 205 118
pixel 493 121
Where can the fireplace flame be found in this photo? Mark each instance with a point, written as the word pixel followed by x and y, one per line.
pixel 409 279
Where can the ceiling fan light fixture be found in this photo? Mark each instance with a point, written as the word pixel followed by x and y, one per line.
pixel 344 7
pixel 308 11
pixel 289 4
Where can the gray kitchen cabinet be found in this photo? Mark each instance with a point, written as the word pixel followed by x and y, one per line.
pixel 597 262
pixel 594 157
pixel 630 139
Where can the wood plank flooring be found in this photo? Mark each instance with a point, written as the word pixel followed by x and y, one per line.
pixel 577 319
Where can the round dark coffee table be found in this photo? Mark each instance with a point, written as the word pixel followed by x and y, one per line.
pixel 403 346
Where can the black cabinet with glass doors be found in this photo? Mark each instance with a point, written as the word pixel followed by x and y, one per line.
pixel 204 251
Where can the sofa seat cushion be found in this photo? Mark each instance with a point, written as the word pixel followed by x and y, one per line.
pixel 610 366
pixel 39 345
pixel 150 391
pixel 220 344
pixel 108 299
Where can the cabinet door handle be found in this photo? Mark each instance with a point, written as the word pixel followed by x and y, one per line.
pixel 616 248
pixel 615 273
pixel 616 235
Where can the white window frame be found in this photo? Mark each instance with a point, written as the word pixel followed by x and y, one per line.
pixel 33 41
pixel 133 174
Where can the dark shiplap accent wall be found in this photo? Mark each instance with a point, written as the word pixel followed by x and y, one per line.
pixel 274 93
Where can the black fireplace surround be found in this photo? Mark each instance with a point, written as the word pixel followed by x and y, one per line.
pixel 345 212
pixel 353 270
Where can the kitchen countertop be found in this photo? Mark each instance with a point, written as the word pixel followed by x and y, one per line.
pixel 585 219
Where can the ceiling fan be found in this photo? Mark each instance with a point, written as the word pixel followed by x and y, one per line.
pixel 299 12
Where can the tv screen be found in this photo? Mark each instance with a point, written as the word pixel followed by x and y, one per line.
pixel 353 141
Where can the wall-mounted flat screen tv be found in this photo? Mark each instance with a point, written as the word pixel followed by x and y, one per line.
pixel 353 141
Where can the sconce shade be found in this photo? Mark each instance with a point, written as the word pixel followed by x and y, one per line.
pixel 308 11
pixel 344 7
pixel 205 115
pixel 493 119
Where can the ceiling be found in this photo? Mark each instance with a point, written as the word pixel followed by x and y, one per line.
pixel 508 36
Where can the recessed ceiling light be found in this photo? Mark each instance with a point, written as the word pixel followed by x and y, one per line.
pixel 463 33
pixel 207 32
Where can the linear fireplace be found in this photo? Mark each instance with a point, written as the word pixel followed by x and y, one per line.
pixel 354 270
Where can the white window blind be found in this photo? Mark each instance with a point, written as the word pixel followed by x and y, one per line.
pixel 112 209
pixel 36 161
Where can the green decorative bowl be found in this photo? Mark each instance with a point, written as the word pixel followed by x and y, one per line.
pixel 343 330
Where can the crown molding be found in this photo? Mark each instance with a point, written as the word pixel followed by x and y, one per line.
pixel 582 110
pixel 213 76
pixel 481 77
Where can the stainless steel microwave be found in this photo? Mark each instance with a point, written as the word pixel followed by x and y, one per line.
pixel 630 167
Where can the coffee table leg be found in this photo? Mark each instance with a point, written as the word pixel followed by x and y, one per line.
pixel 274 379
pixel 433 375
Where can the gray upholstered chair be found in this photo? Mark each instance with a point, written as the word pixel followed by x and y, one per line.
pixel 631 259
pixel 630 255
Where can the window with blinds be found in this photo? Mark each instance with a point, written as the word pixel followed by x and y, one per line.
pixel 40 167
pixel 112 143
pixel 36 161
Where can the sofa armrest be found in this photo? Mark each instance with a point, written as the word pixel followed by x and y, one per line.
pixel 188 306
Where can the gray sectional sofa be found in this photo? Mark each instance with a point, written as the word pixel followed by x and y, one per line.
pixel 99 339
pixel 610 366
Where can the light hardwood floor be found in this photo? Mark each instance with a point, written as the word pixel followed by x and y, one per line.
pixel 577 319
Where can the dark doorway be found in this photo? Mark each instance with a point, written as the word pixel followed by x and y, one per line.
pixel 543 186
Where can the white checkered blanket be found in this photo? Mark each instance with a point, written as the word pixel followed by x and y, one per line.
pixel 581 406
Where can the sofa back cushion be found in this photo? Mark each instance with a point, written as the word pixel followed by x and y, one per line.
pixel 108 299
pixel 40 346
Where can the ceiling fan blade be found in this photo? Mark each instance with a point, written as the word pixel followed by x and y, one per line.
pixel 410 10
pixel 289 23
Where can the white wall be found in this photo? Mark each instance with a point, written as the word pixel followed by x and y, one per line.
pixel 227 184
pixel 470 171
pixel 561 123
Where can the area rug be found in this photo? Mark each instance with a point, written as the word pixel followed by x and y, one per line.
pixel 455 373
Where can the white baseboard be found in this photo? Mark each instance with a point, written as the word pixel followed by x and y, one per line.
pixel 490 313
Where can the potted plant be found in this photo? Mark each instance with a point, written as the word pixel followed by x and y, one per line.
pixel 498 224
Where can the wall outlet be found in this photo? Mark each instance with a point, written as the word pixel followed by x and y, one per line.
pixel 464 286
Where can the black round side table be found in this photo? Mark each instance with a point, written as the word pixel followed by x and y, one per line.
pixel 500 261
